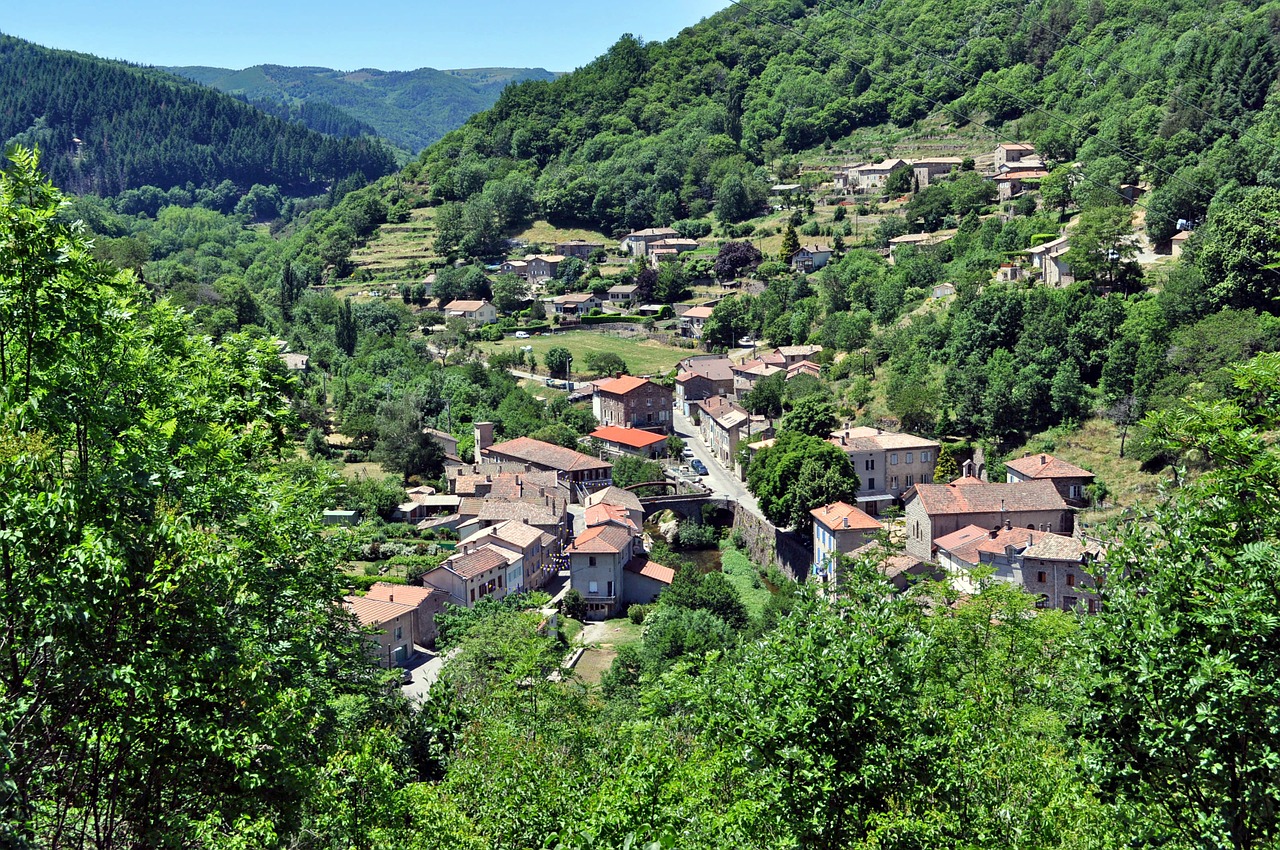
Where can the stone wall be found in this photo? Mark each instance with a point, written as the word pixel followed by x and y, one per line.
pixel 766 545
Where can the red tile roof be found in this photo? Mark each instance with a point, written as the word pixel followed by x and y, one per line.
pixel 633 437
pixel 606 539
pixel 472 564
pixel 548 455
pixel 374 612
pixel 621 386
pixel 697 313
pixel 841 516
pixel 1046 466
pixel 988 498
pixel 649 569
pixel 605 513
pixel 401 594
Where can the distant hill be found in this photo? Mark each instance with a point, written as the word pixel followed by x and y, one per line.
pixel 105 126
pixel 412 109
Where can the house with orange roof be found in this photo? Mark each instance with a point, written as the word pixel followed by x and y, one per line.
pixel 888 464
pixel 631 402
pixel 1068 478
pixel 389 627
pixel 579 473
pixel 631 441
pixel 425 601
pixel 473 572
pixel 693 320
pixel 479 312
pixel 1055 568
pixel 608 564
pixel 838 529
pixel 936 510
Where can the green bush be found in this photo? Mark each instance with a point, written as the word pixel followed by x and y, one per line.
pixel 637 612
pixel 363 583
pixel 574 605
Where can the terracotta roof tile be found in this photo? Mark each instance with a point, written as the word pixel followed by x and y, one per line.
pixel 988 498
pixel 548 455
pixel 621 386
pixel 633 437
pixel 649 569
pixel 1046 466
pixel 373 612
pixel 606 539
pixel 841 517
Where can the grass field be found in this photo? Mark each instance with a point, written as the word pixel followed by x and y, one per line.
pixel 642 356
pixel 593 663
pixel 545 233
pixel 1096 447
pixel 744 577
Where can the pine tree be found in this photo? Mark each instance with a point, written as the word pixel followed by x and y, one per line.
pixel 790 244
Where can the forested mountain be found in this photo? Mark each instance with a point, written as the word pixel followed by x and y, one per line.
pixel 650 133
pixel 410 108
pixel 105 127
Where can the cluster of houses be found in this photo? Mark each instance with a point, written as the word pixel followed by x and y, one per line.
pixel 510 510
pixel 1019 531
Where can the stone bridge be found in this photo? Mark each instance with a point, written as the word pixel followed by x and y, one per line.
pixel 687 505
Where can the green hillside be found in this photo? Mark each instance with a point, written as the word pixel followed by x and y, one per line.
pixel 654 132
pixel 105 127
pixel 410 108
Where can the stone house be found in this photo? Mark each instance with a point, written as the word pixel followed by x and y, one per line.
pixel 578 472
pixel 1009 153
pixel 608 564
pixel 1179 242
pixel 632 402
pixel 392 637
pixel 888 464
pixel 1049 259
pixel 701 378
pixel 578 248
pixel 793 354
pixel 518 268
pixel 1069 479
pixel 576 303
pixel 723 424
pixel 637 242
pixel 543 267
pixel 1052 567
pixel 936 510
pixel 426 602
pixel 873 176
pixel 622 296
pixel 927 171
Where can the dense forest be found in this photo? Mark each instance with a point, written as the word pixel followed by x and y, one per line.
pixel 653 133
pixel 105 127
pixel 411 109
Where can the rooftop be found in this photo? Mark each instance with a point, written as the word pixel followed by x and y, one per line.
pixel 374 612
pixel 465 306
pixel 867 439
pixel 548 455
pixel 401 594
pixel 1046 466
pixel 480 560
pixel 623 385
pixel 604 539
pixel 632 437
pixel 616 496
pixel 988 498
pixel 841 516
pixel 697 313
pixel 650 569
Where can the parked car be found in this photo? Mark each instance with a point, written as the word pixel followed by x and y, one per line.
pixel 687 453
pixel 522 335
pixel 406 676
pixel 698 466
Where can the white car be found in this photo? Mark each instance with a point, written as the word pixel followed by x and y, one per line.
pixel 522 335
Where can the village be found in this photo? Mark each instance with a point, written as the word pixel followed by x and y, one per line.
pixel 530 515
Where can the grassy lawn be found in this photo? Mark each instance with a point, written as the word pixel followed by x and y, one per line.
pixel 743 575
pixel 1096 447
pixel 642 356
pixel 570 627
pixel 612 634
pixel 357 471
pixel 547 234
pixel 593 663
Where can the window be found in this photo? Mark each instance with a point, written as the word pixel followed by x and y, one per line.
pixel 610 586
pixel 591 560
pixel 1041 577
pixel 869 463
pixel 893 483
pixel 871 484
pixel 1068 602
pixel 1042 601
pixel 499 581
pixel 925 478
pixel 399 633
pixel 473 594
pixel 909 457
pixel 1093 606
pixel 893 458
pixel 1071 580
pixel 911 480
pixel 925 457
pixel 592 587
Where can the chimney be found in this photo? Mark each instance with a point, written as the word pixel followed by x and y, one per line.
pixel 993 532
pixel 484 438
pixel 1008 526
pixel 967 472
pixel 1044 459
pixel 846 522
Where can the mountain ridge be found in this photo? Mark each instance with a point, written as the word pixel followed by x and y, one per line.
pixel 411 109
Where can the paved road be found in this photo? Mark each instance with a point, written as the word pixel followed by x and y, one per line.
pixel 720 480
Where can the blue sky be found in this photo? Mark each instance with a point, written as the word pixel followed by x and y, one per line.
pixel 559 35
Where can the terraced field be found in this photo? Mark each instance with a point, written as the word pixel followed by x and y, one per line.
pixel 399 253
